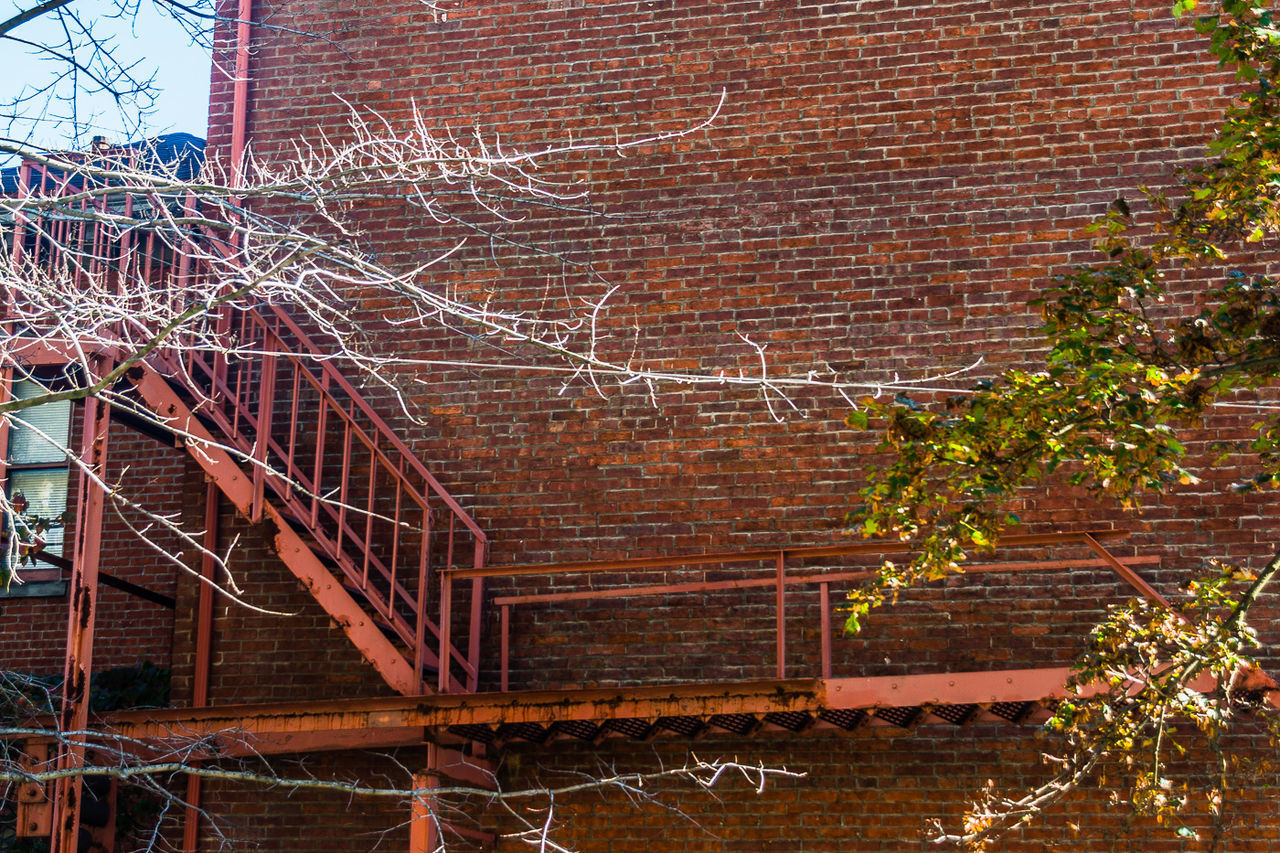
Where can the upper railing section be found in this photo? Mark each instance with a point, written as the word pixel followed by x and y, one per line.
pixel 789 575
pixel 270 392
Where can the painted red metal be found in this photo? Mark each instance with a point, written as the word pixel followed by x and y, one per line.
pixel 81 615
pixel 424 824
pixel 372 512
pixel 240 93
pixel 1131 577
pixel 824 609
pixel 780 613
pixel 293 550
pixel 800 580
pixel 204 656
pixel 34 806
pixel 277 727
pixel 779 581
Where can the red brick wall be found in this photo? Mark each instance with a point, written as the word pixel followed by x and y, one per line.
pixel 876 790
pixel 885 187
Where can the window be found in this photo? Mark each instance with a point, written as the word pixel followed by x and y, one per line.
pixel 38 467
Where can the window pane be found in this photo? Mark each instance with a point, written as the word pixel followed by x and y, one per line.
pixel 46 494
pixel 52 419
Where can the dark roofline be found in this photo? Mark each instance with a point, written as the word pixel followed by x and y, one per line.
pixel 181 153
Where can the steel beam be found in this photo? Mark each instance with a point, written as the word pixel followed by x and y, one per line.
pixel 285 727
pixel 204 655
pixel 81 616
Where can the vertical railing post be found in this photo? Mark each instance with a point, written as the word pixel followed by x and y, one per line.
pixel 266 402
pixel 504 648
pixel 781 614
pixel 824 605
pixel 424 823
pixel 19 223
pixel 477 614
pixel 81 617
pixel 446 620
pixel 317 484
pixel 204 655
pixel 424 577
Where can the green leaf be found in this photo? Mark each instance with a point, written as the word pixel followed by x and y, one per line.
pixel 857 419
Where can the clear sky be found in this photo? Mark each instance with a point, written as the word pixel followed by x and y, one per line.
pixel 157 45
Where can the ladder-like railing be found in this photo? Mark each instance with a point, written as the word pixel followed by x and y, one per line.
pixel 340 473
pixel 276 400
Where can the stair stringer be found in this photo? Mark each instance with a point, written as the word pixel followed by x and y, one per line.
pixel 233 482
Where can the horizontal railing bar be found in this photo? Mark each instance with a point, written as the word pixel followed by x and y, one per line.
pixel 757 554
pixel 799 580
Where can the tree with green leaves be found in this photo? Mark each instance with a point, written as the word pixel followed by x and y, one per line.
pixel 1127 379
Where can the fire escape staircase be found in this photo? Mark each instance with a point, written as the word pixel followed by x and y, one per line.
pixel 295 447
pixel 351 511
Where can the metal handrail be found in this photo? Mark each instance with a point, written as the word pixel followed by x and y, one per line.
pixel 370 505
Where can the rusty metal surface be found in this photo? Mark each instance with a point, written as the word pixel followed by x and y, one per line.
pixel 81 618
pixel 771 705
pixel 779 580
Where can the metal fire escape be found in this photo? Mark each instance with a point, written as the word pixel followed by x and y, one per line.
pixel 293 446
pixel 281 433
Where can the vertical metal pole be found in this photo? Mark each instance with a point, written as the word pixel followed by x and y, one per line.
pixel 505 648
pixel 782 615
pixel 424 824
pixel 74 716
pixel 446 621
pixel 477 615
pixel 824 605
pixel 204 655
pixel 240 93
pixel 420 622
pixel 266 403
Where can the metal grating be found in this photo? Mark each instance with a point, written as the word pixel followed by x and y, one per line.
pixel 581 729
pixel 739 724
pixel 531 732
pixel 687 726
pixel 1012 711
pixel 1246 700
pixel 631 727
pixel 845 719
pixel 902 716
pixel 955 714
pixel 792 721
pixel 480 734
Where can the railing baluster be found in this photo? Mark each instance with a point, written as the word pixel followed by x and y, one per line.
pixel 395 533
pixel 368 530
pixel 290 469
pixel 420 626
pixel 342 483
pixel 824 608
pixel 316 483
